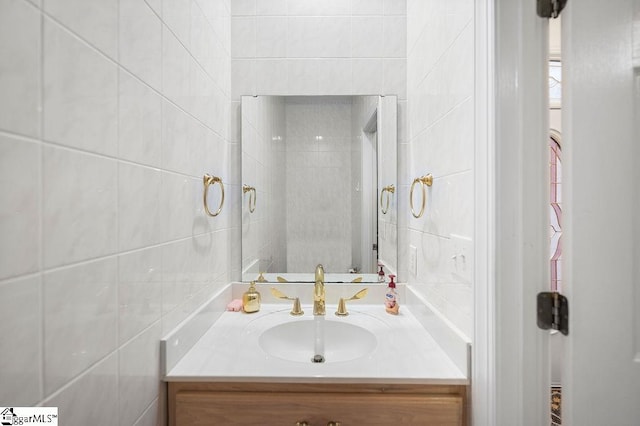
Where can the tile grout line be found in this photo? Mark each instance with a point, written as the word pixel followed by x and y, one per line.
pixel 117 212
pixel 107 256
pixel 162 181
pixel 41 93
pixel 95 154
pixel 146 409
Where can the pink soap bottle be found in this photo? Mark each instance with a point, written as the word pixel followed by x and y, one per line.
pixel 381 273
pixel 391 303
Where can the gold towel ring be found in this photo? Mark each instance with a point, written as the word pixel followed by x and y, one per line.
pixel 389 189
pixel 253 196
pixel 212 180
pixel 426 180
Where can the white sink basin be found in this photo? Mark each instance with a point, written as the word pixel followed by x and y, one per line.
pixel 294 341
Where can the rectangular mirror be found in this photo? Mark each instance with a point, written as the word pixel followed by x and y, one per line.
pixel 319 177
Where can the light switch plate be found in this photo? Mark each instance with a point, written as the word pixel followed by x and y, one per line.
pixel 462 258
pixel 413 260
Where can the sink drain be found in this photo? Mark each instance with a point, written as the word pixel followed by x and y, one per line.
pixel 317 359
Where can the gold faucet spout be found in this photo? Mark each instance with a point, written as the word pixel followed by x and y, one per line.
pixel 318 292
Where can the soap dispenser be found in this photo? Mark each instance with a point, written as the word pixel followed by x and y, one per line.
pixel 391 302
pixel 251 299
pixel 381 273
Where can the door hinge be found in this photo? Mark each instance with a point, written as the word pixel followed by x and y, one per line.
pixel 550 8
pixel 553 312
pixel 374 247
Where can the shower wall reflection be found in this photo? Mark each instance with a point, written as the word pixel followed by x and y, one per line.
pixel 314 167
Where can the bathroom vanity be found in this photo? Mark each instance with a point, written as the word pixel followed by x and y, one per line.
pixel 379 369
pixel 287 403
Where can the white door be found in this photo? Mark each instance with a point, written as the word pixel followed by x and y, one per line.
pixel 601 371
pixel 601 232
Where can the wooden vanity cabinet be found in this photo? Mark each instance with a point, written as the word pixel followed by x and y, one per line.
pixel 278 404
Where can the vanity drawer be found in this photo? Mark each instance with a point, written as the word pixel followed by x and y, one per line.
pixel 288 408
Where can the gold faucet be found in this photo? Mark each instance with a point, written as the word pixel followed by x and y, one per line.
pixel 318 292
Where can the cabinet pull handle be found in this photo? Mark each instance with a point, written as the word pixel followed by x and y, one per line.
pixel 303 423
pixel 334 424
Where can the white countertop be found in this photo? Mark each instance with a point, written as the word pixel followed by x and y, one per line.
pixel 405 352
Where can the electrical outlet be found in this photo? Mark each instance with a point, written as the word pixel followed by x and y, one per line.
pixel 413 260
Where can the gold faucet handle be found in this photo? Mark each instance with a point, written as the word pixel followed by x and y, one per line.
pixel 359 295
pixel 280 295
pixel 342 305
pixel 342 308
pixel 297 309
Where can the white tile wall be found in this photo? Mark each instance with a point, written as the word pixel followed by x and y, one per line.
pixel 367 36
pixel 139 291
pixel 243 7
pixel 20 34
pixel 395 37
pixel 79 201
pixel 80 93
pixel 21 362
pixel 366 76
pixel 80 303
pixel 269 81
pixel 136 199
pixel 95 21
pixel 243 34
pixel 302 75
pixel 90 398
pixel 440 141
pixel 177 17
pixel 270 7
pixel 110 113
pixel 368 7
pixel 149 417
pixel 139 122
pixel 139 362
pixel 395 7
pixel 321 43
pixel 271 37
pixel 20 211
pixel 140 42
pixel 101 95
